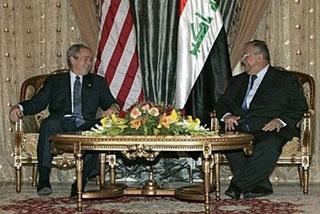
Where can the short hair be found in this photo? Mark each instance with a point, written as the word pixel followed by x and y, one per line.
pixel 73 51
pixel 261 47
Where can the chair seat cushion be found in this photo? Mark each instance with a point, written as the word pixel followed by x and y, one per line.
pixel 291 149
pixel 29 144
pixel 29 152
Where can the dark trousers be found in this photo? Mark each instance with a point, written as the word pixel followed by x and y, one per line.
pixel 51 126
pixel 252 171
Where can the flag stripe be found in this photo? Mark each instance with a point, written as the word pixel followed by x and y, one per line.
pixel 199 26
pixel 129 78
pixel 117 58
pixel 107 23
pixel 117 20
pixel 182 5
pixel 119 48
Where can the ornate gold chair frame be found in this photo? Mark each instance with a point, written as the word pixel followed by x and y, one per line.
pixel 26 137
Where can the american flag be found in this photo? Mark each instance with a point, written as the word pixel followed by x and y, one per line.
pixel 117 57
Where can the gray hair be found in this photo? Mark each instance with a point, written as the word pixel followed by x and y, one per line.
pixel 261 47
pixel 73 51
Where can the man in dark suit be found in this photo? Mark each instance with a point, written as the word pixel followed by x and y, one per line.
pixel 268 103
pixel 73 99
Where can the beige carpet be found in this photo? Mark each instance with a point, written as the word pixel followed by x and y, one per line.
pixel 287 199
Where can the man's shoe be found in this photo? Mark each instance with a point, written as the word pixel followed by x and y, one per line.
pixel 44 189
pixel 233 192
pixel 73 190
pixel 257 192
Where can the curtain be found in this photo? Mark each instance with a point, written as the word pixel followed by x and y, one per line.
pixel 251 14
pixel 156 25
pixel 88 21
pixel 228 9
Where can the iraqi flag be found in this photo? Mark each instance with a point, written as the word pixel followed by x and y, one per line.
pixel 117 58
pixel 202 58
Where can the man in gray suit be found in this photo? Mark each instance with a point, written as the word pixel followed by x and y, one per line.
pixel 73 99
pixel 268 103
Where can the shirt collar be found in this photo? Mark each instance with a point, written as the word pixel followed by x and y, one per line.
pixel 73 76
pixel 263 72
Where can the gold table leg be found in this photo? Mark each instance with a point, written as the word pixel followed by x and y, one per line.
pixel 102 170
pixel 79 170
pixel 206 181
pixel 217 174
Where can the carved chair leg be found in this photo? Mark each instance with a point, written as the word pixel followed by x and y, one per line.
pixel 302 182
pixel 18 179
pixel 306 180
pixel 102 169
pixel 212 172
pixel 112 164
pixel 34 174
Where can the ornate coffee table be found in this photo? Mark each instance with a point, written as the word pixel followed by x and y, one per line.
pixel 149 147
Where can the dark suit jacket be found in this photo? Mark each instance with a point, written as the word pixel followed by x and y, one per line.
pixel 56 93
pixel 279 95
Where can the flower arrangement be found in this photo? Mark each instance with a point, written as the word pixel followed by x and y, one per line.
pixel 149 119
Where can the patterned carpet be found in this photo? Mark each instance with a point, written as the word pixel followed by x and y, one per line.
pixel 287 199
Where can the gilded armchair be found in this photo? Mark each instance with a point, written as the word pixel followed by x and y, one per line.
pixel 26 138
pixel 297 152
pixel 26 134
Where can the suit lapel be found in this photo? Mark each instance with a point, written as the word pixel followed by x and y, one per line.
pixel 243 90
pixel 86 88
pixel 65 85
pixel 266 83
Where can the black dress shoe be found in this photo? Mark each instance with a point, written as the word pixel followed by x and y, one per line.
pixel 74 189
pixel 73 192
pixel 233 192
pixel 44 189
pixel 257 192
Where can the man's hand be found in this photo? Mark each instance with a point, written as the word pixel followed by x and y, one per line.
pixel 114 109
pixel 273 124
pixel 15 114
pixel 231 122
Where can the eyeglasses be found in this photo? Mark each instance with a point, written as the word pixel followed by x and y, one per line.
pixel 245 55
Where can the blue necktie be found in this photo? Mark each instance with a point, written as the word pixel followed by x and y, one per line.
pixel 244 103
pixel 77 109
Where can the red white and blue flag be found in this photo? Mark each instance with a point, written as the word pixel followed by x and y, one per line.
pixel 200 24
pixel 117 57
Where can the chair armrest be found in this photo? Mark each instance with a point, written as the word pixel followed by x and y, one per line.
pixel 17 140
pixel 305 132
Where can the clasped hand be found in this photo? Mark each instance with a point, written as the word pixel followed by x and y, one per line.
pixel 231 122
